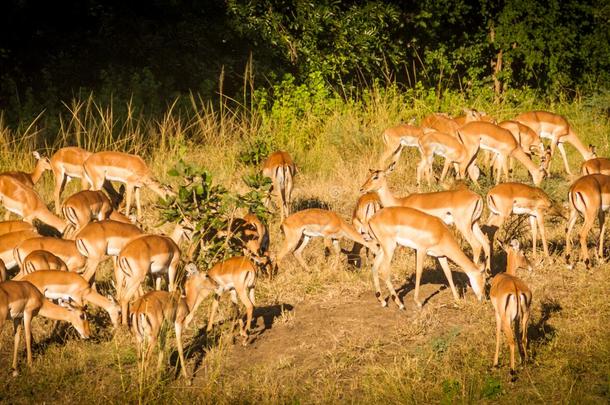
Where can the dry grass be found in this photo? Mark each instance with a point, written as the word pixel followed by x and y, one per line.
pixel 326 339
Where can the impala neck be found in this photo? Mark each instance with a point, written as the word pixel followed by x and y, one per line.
pixel 55 312
pixel 351 233
pixel 38 171
pixel 457 255
pixel 580 147
pixel 386 197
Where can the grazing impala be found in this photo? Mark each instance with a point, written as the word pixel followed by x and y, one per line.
pixel 64 249
pixel 516 198
pixel 556 128
pixel 148 314
pixel 398 137
pixel 124 168
pixel 500 141
pixel 588 196
pixel 25 202
pixel 20 301
pixel 366 206
pixel 314 222
pixel 461 207
pixel 155 254
pixel 512 300
pixel 449 147
pixel 104 238
pixel 14 226
pixel 280 168
pixel 66 164
pixel 8 243
pixel 85 206
pixel 30 179
pixel 55 284
pixel 236 275
pixel 600 165
pixel 428 235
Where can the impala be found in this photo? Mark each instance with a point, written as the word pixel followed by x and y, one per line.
pixel 104 238
pixel 588 196
pixel 449 147
pixel 428 235
pixel 25 202
pixel 62 285
pixel 124 168
pixel 42 260
pixel 2 271
pixel 280 168
pixel 85 206
pixel 556 128
pixel 398 137
pixel 236 275
pixel 14 226
pixel 516 198
pixel 500 141
pixel 64 249
pixel 30 179
pixel 461 207
pixel 440 122
pixel 526 137
pixel 147 316
pixel 155 254
pixel 20 301
pixel 254 238
pixel 473 115
pixel 8 243
pixel 314 222
pixel 511 299
pixel 366 206
pixel 598 165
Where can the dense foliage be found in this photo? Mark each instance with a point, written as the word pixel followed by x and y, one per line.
pixel 150 52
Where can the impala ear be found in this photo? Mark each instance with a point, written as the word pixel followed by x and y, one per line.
pixel 36 155
pixel 391 167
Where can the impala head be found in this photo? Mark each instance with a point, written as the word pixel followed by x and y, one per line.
pixel 162 190
pixel 196 283
pixel 377 179
pixel 515 257
pixel 477 281
pixel 114 310
pixel 43 161
pixel 472 114
pixel 78 317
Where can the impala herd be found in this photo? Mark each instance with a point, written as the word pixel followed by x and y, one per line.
pixel 55 276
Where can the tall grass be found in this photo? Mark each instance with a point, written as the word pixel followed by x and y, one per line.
pixel 440 354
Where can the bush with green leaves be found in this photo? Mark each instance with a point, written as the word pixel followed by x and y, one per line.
pixel 210 209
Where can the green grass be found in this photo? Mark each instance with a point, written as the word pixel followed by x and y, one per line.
pixel 440 354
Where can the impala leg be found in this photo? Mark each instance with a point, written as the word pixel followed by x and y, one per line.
pixel 213 312
pixel 128 293
pixel 564 156
pixel 498 333
pixel 446 166
pixel 379 259
pixel 291 241
pixel 540 220
pixel 178 330
pixel 387 276
pixel 91 268
pixel 510 339
pixel 584 232
pixel 17 326
pixel 525 314
pixel 449 276
pixel 570 226
pixel 505 167
pixel 171 272
pixel 466 229
pixel 27 329
pixel 420 255
pixel 138 203
pixel 245 299
pixel 128 199
pixel 298 252
pixel 60 182
pixel 602 225
pixel 534 229
pixel 484 241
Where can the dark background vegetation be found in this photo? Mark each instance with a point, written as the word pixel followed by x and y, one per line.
pixel 153 51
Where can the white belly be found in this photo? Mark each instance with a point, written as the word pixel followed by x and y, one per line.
pixel 115 178
pixel 113 251
pixel 406 242
pixel 312 233
pixel 56 296
pixel 521 210
pixel 447 218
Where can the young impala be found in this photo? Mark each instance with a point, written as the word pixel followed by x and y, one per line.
pixel 428 235
pixel 600 165
pixel 124 168
pixel 147 316
pixel 367 205
pixel 516 198
pixel 461 207
pixel 236 275
pixel 20 301
pixel 280 168
pixel 42 260
pixel 512 300
pixel 8 243
pixel 64 249
pixel 301 226
pixel 588 196
pixel 25 202
pixel 556 128
pixel 55 284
